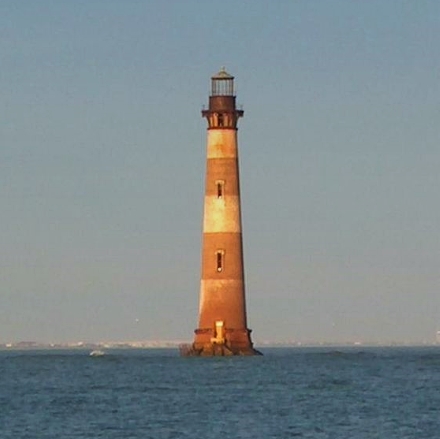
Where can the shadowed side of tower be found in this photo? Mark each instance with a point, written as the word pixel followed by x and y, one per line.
pixel 222 326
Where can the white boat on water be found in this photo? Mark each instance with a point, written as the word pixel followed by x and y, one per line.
pixel 97 353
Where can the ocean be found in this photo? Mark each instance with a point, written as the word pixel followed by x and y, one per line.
pixel 320 393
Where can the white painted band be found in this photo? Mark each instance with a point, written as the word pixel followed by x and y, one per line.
pixel 222 144
pixel 214 287
pixel 222 214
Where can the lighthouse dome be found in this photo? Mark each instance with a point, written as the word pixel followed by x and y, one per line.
pixel 222 74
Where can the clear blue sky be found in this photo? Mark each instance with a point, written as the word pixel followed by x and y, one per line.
pixel 102 155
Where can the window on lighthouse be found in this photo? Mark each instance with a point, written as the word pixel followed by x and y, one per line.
pixel 220 260
pixel 220 188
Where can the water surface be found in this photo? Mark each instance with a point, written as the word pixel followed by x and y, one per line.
pixel 297 392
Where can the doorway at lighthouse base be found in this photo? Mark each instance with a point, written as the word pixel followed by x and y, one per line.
pixel 220 342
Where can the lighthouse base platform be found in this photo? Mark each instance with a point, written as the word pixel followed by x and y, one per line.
pixel 216 350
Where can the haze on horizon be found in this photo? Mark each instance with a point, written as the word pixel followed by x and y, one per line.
pixel 102 155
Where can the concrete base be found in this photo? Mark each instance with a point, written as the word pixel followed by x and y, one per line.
pixel 216 350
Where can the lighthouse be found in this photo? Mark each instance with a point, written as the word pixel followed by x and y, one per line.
pixel 222 328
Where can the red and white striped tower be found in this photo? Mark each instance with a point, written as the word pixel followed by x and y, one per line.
pixel 222 326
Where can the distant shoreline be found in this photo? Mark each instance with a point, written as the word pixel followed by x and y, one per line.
pixel 81 346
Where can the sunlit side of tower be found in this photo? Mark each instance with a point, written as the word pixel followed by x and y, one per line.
pixel 222 326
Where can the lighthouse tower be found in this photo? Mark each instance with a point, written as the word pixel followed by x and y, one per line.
pixel 222 326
